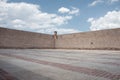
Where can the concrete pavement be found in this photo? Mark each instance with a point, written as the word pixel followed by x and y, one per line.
pixel 59 64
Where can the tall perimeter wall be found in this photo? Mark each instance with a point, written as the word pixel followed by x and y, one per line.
pixel 21 39
pixel 103 39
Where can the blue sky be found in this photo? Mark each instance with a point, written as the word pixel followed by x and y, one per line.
pixel 64 16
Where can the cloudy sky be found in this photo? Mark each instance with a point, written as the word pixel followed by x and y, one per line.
pixel 64 16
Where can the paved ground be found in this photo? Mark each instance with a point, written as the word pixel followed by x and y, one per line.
pixel 48 64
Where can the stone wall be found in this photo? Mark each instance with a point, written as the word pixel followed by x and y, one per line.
pixel 21 39
pixel 103 39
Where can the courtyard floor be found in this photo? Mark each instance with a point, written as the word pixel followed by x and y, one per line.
pixel 59 64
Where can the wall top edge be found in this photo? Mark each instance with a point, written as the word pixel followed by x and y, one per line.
pixel 61 34
pixel 2 28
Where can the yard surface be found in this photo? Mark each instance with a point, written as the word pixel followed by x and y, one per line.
pixel 59 64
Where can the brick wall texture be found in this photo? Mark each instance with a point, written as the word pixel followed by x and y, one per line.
pixel 21 39
pixel 103 39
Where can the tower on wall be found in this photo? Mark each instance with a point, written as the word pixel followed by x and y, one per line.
pixel 55 35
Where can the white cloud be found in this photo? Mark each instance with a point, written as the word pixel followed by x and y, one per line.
pixel 59 30
pixel 110 20
pixel 3 0
pixel 26 16
pixel 95 2
pixel 74 10
pixel 63 10
pixel 114 1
